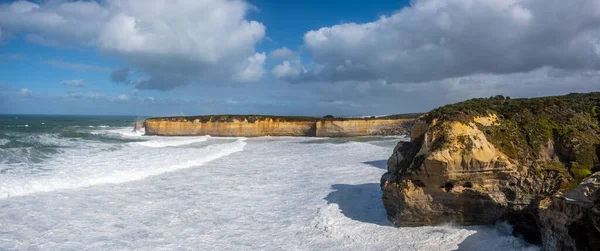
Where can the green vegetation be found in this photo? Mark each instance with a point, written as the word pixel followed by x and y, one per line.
pixel 229 118
pixel 252 118
pixel 403 116
pixel 566 125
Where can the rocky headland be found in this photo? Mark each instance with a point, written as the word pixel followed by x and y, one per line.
pixel 259 125
pixel 525 161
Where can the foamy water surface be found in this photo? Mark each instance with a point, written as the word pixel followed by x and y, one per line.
pixel 119 190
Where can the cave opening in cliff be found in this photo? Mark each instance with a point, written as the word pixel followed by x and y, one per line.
pixel 448 186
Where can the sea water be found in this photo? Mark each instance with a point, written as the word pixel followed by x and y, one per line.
pixel 91 183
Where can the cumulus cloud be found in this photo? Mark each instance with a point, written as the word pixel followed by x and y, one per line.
pixel 287 70
pixel 73 83
pixel 24 92
pixel 64 22
pixel 439 39
pixel 292 71
pixel 253 69
pixel 383 97
pixel 282 53
pixel 169 44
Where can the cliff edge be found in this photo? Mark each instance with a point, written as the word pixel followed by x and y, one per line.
pixel 485 160
pixel 258 125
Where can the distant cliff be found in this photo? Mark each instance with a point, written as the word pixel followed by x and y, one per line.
pixel 484 160
pixel 257 125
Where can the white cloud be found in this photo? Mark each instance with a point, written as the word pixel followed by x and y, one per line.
pixel 438 39
pixel 122 97
pixel 287 70
pixel 282 53
pixel 24 92
pixel 64 22
pixel 292 71
pixel 253 69
pixel 172 44
pixel 73 83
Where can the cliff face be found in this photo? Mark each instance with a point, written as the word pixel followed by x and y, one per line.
pixel 251 126
pixel 138 125
pixel 485 160
pixel 361 127
pixel 230 128
pixel 572 221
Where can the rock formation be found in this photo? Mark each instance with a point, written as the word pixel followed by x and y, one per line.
pixel 138 125
pixel 253 125
pixel 572 221
pixel 485 160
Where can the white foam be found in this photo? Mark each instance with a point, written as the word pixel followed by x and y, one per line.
pixel 81 168
pixel 17 125
pixel 4 142
pixel 124 132
pixel 302 196
pixel 45 139
pixel 171 141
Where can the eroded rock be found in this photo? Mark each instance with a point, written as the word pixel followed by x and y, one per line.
pixel 572 221
pixel 485 160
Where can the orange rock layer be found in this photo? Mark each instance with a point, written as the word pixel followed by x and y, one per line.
pixel 274 126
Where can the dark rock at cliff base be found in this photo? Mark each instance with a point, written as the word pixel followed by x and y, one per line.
pixel 572 221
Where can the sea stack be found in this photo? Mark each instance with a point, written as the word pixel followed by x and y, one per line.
pixel 138 125
pixel 485 160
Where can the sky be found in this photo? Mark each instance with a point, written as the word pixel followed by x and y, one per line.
pixel 351 57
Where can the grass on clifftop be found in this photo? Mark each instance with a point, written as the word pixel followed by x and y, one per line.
pixel 253 118
pixel 566 125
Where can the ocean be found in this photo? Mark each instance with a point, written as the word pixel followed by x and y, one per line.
pixel 91 183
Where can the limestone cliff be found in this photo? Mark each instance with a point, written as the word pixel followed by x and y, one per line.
pixel 138 125
pixel 572 221
pixel 485 160
pixel 254 125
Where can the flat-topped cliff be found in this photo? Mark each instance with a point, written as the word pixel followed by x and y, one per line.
pixel 484 160
pixel 258 125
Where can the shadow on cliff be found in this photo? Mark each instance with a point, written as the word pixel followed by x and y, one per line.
pixel 381 164
pixel 359 202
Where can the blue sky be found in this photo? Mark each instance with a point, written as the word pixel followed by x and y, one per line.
pixel 311 57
